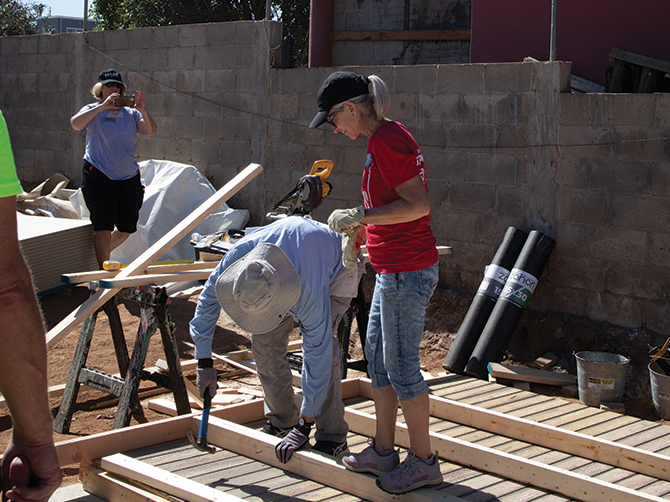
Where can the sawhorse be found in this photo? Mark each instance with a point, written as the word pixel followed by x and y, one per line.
pixel 153 315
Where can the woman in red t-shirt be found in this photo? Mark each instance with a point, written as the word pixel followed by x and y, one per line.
pixel 401 245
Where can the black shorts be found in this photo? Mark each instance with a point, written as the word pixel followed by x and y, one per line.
pixel 112 203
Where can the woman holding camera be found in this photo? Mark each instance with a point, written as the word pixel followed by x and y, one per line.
pixel 111 182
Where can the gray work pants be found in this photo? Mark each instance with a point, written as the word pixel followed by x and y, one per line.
pixel 269 351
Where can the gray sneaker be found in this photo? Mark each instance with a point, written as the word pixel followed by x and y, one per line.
pixel 370 460
pixel 411 474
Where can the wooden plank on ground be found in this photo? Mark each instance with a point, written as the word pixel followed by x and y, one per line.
pixel 100 297
pixel 597 449
pixel 508 466
pixel 163 480
pixel 323 469
pixel 108 487
pixel 531 375
pixel 143 435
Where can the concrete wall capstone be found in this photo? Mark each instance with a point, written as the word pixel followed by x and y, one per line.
pixel 505 144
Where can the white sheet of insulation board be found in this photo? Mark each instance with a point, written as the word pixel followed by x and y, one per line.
pixel 55 246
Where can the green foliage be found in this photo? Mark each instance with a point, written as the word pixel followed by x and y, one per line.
pixel 294 15
pixel 120 14
pixel 18 18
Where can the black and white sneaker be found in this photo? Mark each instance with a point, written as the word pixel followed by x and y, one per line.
pixel 332 448
pixel 268 428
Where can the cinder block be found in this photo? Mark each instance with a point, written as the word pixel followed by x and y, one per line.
pixel 510 201
pixel 618 244
pixel 578 109
pixel 191 35
pixel 165 37
pixel 659 248
pixel 587 207
pixel 140 38
pixel 460 79
pixel 627 109
pixel 285 106
pixel 662 109
pixel 220 35
pixel 579 272
pixel 180 57
pixel 638 281
pixel 28 45
pixel 634 212
pixel 205 152
pixel 192 81
pixel 507 77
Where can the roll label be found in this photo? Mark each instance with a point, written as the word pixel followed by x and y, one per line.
pixel 519 287
pixel 494 281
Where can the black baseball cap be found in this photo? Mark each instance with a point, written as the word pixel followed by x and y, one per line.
pixel 111 75
pixel 338 87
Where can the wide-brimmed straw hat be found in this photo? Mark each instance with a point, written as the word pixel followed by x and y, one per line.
pixel 258 289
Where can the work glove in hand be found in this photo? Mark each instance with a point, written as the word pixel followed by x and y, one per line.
pixel 291 442
pixel 349 251
pixel 206 380
pixel 341 219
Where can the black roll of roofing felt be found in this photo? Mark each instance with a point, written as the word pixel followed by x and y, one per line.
pixel 495 276
pixel 513 300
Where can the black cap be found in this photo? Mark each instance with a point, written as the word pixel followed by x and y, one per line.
pixel 338 87
pixel 111 75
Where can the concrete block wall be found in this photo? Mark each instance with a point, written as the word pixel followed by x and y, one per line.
pixel 398 15
pixel 205 87
pixel 509 145
pixel 505 144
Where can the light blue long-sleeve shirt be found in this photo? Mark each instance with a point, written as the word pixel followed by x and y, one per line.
pixel 316 254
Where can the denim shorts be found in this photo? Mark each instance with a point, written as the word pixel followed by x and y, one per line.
pixel 395 328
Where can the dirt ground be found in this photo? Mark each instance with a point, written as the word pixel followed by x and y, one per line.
pixel 536 334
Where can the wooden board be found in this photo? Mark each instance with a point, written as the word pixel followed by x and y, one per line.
pixel 96 275
pixel 398 35
pixel 531 375
pixel 100 297
pixel 526 471
pixel 143 279
pixel 320 468
pixel 596 449
pixel 163 480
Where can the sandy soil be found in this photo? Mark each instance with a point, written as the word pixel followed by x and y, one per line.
pixel 536 334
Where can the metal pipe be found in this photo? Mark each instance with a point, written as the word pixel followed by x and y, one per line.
pixel 268 9
pixel 85 14
pixel 552 42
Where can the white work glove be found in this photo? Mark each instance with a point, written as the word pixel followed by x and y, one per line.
pixel 341 219
pixel 206 380
pixel 349 251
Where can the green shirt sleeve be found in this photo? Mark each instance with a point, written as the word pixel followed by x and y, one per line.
pixel 9 182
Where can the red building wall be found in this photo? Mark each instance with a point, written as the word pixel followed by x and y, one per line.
pixel 509 30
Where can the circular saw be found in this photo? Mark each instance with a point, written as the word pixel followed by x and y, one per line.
pixel 308 193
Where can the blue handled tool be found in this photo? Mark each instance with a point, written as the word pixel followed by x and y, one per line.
pixel 201 442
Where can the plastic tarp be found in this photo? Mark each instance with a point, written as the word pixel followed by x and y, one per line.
pixel 172 192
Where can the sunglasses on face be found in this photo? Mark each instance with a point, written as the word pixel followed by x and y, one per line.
pixel 332 117
pixel 113 84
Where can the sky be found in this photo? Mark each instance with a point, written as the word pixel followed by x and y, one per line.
pixel 68 8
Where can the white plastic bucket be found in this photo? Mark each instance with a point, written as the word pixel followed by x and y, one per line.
pixel 601 377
